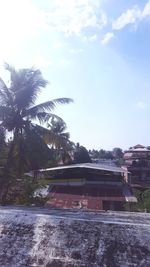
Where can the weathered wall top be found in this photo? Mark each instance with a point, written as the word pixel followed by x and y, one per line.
pixel 55 238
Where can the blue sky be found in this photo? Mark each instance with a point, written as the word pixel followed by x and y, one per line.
pixel 94 51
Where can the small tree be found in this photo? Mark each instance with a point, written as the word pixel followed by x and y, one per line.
pixel 81 154
pixel 118 153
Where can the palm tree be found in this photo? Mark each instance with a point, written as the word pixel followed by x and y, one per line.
pixel 64 151
pixel 22 118
pixel 3 147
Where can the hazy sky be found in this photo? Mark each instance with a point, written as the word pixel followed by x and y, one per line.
pixel 94 51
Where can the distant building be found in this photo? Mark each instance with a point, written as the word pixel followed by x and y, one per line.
pixel 137 161
pixel 88 186
pixel 109 162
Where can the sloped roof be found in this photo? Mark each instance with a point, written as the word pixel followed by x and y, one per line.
pixel 100 167
pixel 139 146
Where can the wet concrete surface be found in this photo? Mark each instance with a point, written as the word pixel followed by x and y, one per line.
pixel 54 238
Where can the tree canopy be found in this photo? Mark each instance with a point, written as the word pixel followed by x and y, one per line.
pixel 81 154
pixel 26 120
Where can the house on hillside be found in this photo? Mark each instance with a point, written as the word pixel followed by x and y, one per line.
pixel 88 186
pixel 137 161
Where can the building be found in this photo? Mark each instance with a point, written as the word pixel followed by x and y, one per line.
pixel 109 162
pixel 137 161
pixel 88 186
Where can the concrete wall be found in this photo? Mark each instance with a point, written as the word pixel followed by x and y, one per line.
pixel 40 237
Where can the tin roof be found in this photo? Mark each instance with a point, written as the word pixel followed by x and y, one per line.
pixel 100 167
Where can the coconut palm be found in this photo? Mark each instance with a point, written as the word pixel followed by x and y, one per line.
pixel 64 151
pixel 20 116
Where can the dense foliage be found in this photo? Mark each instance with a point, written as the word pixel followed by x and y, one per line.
pixel 27 123
pixel 143 204
pixel 81 154
pixel 116 155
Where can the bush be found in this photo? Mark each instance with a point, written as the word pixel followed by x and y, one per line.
pixel 143 204
pixel 21 192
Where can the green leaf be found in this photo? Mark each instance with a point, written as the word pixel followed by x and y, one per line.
pixel 47 106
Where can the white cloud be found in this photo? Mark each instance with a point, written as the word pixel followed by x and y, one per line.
pixel 21 21
pixel 129 17
pixel 89 38
pixel 142 105
pixel 75 16
pixel 132 16
pixel 107 37
pixel 76 51
pixel 93 37
pixel 58 45
pixel 146 10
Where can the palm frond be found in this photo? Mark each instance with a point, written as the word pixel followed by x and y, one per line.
pixel 6 98
pixel 44 117
pixel 39 153
pixel 26 84
pixel 3 95
pixel 65 135
pixel 11 70
pixel 51 138
pixel 5 112
pixel 62 100
pixel 57 126
pixel 2 135
pixel 47 106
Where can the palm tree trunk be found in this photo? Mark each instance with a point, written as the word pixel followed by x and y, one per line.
pixel 5 183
